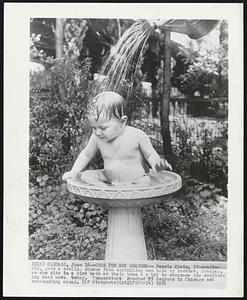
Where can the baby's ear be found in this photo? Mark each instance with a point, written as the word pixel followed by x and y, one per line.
pixel 124 119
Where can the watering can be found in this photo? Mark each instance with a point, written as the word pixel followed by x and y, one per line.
pixel 194 28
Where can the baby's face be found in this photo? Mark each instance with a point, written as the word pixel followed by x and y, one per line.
pixel 107 129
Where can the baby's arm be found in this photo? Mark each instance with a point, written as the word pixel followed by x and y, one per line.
pixel 83 159
pixel 151 156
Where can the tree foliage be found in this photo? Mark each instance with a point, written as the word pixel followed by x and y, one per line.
pixel 207 70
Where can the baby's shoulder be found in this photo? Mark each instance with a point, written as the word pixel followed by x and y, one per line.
pixel 138 133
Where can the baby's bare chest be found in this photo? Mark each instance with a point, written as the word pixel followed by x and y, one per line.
pixel 120 149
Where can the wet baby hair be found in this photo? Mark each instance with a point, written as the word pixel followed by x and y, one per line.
pixel 107 105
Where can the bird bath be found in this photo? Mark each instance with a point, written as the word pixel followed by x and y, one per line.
pixel 125 237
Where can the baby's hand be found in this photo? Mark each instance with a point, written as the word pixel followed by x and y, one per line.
pixel 165 165
pixel 155 162
pixel 68 175
pixel 158 164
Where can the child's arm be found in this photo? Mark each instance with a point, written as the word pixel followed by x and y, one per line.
pixel 151 156
pixel 83 159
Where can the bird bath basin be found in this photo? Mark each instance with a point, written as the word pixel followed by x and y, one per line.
pixel 125 237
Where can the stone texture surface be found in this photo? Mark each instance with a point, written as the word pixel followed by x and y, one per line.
pixel 160 190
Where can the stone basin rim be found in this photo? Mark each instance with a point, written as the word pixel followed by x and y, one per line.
pixel 128 189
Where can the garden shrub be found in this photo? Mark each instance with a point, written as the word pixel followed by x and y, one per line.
pixel 202 154
pixel 57 106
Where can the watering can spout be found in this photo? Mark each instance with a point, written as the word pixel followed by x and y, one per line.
pixel 157 23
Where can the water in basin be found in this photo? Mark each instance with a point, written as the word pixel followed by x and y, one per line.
pixel 155 179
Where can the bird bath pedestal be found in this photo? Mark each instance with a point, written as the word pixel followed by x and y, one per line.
pixel 125 237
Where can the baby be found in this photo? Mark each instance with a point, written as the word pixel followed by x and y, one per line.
pixel 125 150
